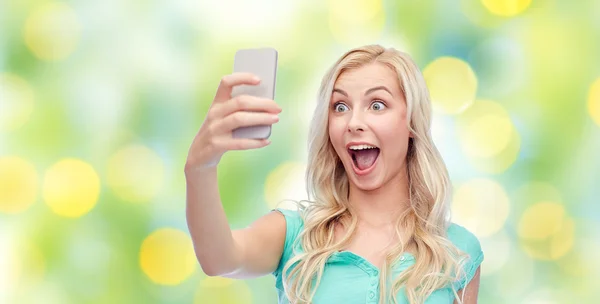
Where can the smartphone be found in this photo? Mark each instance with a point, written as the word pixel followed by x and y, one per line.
pixel 263 63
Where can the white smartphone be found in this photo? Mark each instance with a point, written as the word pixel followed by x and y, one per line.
pixel 263 63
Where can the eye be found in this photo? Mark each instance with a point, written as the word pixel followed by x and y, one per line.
pixel 378 105
pixel 339 107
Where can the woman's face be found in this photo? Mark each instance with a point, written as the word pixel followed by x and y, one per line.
pixel 367 125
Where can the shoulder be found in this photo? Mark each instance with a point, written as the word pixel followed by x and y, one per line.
pixel 293 226
pixel 464 239
pixel 293 221
pixel 467 242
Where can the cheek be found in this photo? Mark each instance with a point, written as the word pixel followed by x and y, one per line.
pixel 394 133
pixel 391 127
pixel 336 130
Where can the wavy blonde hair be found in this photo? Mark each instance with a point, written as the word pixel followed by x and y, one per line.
pixel 423 226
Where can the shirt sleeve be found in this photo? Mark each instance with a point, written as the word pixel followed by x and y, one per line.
pixel 469 243
pixel 293 226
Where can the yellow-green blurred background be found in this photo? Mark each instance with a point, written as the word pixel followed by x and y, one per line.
pixel 99 101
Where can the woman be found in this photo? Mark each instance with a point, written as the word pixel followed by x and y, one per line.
pixel 377 229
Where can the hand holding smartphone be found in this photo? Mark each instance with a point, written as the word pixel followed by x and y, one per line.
pixel 242 112
pixel 262 63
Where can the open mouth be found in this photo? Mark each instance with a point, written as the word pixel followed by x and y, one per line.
pixel 364 158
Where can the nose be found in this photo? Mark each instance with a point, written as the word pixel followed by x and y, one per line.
pixel 356 123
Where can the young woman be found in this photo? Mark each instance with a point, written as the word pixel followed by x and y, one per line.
pixel 377 229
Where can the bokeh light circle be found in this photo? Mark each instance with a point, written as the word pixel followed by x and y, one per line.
pixel 541 220
pixel 167 256
pixel 581 266
pixel 488 136
pixel 356 21
pixel 18 184
pixel 452 84
pixel 506 8
pixel 482 206
pixel 16 102
pixel 594 101
pixel 513 286
pixel 71 187
pixel 52 31
pixel 285 182
pixel 500 65
pixel 500 245
pixel 135 173
pixel 546 232
pixel 223 290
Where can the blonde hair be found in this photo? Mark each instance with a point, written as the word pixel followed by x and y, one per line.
pixel 423 226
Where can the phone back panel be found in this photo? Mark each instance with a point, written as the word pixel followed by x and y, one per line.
pixel 263 63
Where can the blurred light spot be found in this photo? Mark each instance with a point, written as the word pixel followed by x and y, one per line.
pixel 167 256
pixel 536 191
pixel 488 136
pixel 22 265
pixel 16 102
pixel 229 20
pixel 135 173
pixel 500 245
pixel 440 127
pixel 71 187
pixel 482 206
pixel 97 99
pixel 32 263
pixel 552 44
pixel 513 286
pixel 52 31
pixel 234 292
pixel 545 231
pixel 356 21
pixel 452 84
pixel 500 66
pixel 549 296
pixel 47 292
pixel 479 15
pixel 506 8
pixel 216 282
pixel 503 160
pixel 286 182
pixel 580 267
pixel 18 184
pixel 541 220
pixel 9 262
pixel 594 101
pixel 89 243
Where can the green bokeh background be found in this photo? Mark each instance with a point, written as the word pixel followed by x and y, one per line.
pixel 144 73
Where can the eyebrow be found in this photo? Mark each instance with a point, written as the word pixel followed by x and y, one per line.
pixel 369 91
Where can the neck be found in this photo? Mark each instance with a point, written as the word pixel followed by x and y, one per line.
pixel 381 207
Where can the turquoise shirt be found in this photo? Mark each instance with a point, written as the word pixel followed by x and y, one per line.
pixel 348 278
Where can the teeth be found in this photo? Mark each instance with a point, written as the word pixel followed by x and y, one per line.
pixel 361 147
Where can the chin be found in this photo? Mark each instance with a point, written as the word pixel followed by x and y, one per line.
pixel 366 183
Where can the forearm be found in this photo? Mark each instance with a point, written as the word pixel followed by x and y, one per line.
pixel 210 231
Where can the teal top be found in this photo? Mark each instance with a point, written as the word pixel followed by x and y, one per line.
pixel 349 278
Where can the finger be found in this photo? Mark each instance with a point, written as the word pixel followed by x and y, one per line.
pixel 246 103
pixel 229 81
pixel 245 119
pixel 245 143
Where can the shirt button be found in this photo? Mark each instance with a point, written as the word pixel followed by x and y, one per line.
pixel 371 294
pixel 402 258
